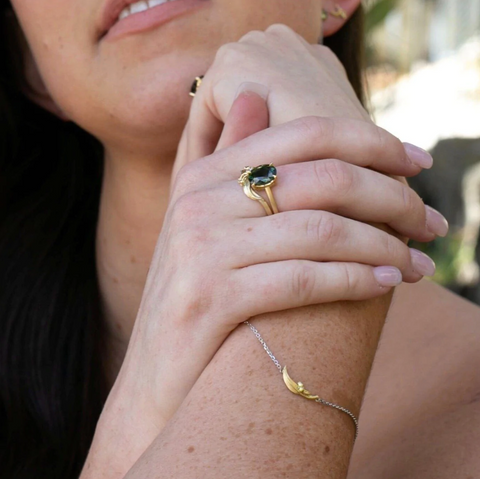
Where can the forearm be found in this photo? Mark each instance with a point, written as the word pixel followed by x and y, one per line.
pixel 339 339
pixel 240 416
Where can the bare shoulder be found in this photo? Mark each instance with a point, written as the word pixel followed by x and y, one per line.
pixel 421 413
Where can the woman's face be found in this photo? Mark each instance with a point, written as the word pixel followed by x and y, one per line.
pixel 128 86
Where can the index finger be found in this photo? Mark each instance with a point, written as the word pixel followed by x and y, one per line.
pixel 354 141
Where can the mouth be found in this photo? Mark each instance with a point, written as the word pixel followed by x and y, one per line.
pixel 123 17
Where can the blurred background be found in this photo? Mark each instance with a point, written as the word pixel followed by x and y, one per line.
pixel 423 80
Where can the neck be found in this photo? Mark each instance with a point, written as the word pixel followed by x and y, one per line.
pixel 133 203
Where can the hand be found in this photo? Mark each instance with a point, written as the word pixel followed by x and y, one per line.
pixel 299 80
pixel 219 260
pixel 316 84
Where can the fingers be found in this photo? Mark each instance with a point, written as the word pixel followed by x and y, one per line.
pixel 248 115
pixel 290 284
pixel 182 154
pixel 347 190
pixel 320 236
pixel 353 141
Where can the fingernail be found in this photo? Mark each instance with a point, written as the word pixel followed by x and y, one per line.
pixel 436 222
pixel 422 263
pixel 252 87
pixel 388 275
pixel 418 155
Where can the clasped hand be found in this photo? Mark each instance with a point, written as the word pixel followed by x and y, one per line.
pixel 220 260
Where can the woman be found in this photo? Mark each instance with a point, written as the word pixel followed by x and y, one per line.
pixel 183 400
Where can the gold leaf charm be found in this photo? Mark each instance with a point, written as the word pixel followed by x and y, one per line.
pixel 294 387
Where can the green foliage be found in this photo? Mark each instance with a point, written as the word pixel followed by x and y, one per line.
pixel 377 13
pixel 448 255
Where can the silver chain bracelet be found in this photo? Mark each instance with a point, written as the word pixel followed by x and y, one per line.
pixel 298 388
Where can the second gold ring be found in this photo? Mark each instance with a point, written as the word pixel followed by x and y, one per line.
pixel 262 177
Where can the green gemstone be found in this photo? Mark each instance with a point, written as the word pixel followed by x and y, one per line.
pixel 263 175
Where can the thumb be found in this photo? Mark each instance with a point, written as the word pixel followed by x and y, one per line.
pixel 205 133
pixel 248 115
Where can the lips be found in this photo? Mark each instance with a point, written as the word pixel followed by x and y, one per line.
pixel 111 12
pixel 115 22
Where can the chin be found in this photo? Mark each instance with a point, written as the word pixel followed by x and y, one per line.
pixel 146 108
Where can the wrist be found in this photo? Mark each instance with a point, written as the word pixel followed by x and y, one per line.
pixel 127 426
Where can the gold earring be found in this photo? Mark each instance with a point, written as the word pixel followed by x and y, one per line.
pixel 338 12
pixel 196 85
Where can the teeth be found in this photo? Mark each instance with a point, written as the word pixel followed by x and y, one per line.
pixel 125 13
pixel 154 3
pixel 140 7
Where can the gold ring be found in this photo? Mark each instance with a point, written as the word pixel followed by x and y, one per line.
pixel 261 177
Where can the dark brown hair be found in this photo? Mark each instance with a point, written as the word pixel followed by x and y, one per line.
pixel 349 46
pixel 52 383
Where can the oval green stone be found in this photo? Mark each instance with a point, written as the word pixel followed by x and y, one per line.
pixel 262 175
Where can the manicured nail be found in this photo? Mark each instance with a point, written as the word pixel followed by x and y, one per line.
pixel 436 222
pixel 252 87
pixel 422 263
pixel 418 155
pixel 388 275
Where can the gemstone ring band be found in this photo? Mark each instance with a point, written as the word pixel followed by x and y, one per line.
pixel 261 177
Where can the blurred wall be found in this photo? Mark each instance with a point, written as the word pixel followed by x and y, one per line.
pixel 425 30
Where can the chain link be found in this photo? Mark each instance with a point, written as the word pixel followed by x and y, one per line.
pixel 264 344
pixel 279 367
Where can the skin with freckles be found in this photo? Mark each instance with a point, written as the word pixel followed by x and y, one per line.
pixel 131 94
pixel 147 108
pixel 140 119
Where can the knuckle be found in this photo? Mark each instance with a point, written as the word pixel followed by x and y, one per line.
pixel 224 49
pixel 408 199
pixel 405 262
pixel 199 304
pixel 280 29
pixel 324 228
pixel 326 53
pixel 230 53
pixel 221 52
pixel 315 127
pixel 379 138
pixel 187 177
pixel 412 208
pixel 339 175
pixel 392 249
pixel 383 140
pixel 196 295
pixel 256 36
pixel 351 281
pixel 303 281
pixel 186 209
